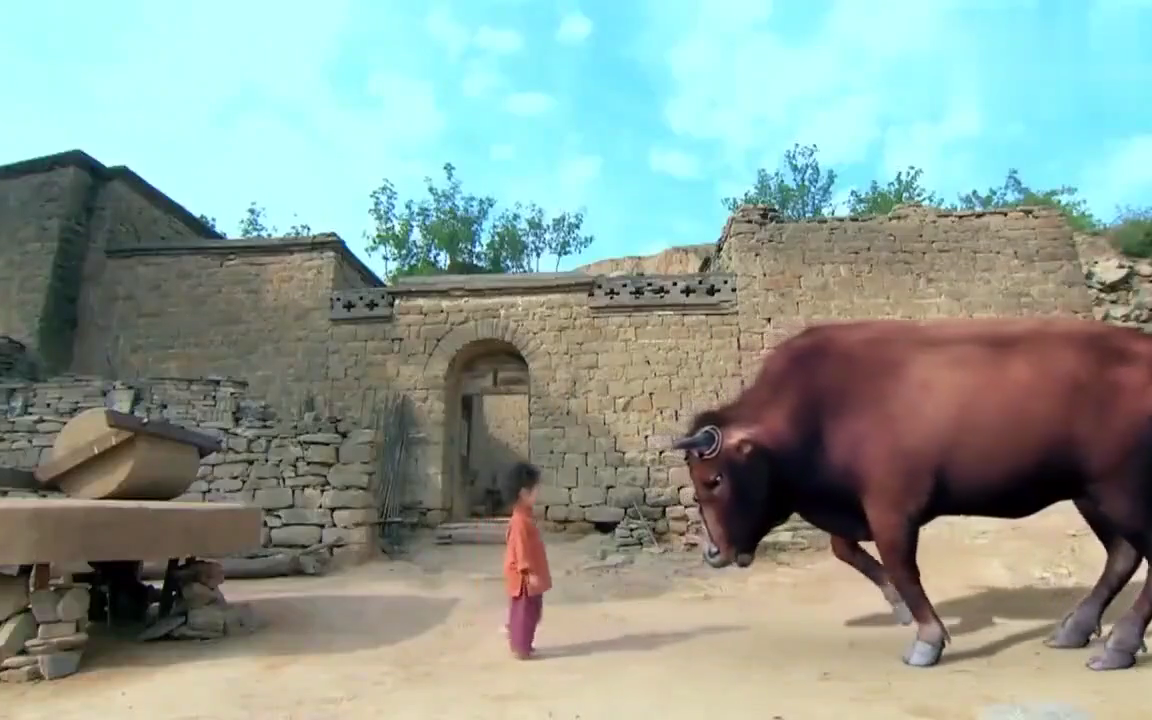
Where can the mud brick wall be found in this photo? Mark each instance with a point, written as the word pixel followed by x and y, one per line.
pixel 313 477
pixel 913 263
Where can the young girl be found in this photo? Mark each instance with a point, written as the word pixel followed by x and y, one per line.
pixel 526 576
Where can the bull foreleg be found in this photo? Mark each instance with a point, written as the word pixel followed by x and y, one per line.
pixel 1079 626
pixel 897 537
pixel 1127 636
pixel 850 553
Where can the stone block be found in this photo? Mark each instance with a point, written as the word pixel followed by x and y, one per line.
pixel 295 535
pixel 59 664
pixel 552 495
pixel 13 595
pixel 353 518
pixel 661 496
pixel 321 439
pixel 688 496
pixel 603 514
pixel 320 454
pixel 273 498
pixel 305 516
pixel 624 496
pixel 361 535
pixel 347 499
pixel 354 452
pixel 585 496
pixel 48 631
pixel 343 477
pixel 44 605
pixel 16 631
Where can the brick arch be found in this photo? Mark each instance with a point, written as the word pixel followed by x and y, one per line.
pixel 439 361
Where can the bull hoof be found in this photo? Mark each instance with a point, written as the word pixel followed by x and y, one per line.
pixel 1071 635
pixel 1112 659
pixel 902 613
pixel 923 654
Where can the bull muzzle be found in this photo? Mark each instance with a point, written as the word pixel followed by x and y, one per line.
pixel 715 558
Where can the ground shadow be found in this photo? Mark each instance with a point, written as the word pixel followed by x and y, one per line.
pixel 288 625
pixel 980 610
pixel 635 642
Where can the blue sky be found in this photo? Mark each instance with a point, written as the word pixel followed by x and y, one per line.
pixel 644 112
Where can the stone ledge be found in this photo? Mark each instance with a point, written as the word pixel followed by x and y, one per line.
pixel 496 284
pixel 252 246
pixel 363 304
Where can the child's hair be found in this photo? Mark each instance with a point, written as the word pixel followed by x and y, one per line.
pixel 521 476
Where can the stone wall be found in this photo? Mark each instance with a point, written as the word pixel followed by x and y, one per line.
pixel 314 477
pixel 913 263
pixel 53 210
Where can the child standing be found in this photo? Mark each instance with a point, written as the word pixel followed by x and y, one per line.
pixel 526 575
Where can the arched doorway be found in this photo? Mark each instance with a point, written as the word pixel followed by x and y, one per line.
pixel 487 419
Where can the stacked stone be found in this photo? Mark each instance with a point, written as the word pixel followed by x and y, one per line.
pixel 312 476
pixel 201 612
pixel 44 636
pixel 314 483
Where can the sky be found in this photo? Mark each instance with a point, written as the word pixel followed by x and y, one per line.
pixel 642 113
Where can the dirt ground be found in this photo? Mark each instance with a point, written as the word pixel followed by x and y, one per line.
pixel 802 638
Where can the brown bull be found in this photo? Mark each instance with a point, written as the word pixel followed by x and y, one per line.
pixel 870 430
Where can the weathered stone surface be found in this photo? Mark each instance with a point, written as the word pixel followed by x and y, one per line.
pixel 357 476
pixel 44 605
pixel 603 514
pixel 296 535
pixel 73 605
pixel 47 631
pixel 59 664
pixel 13 595
pixel 14 632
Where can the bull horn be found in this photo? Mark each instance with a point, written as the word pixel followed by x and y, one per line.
pixel 705 442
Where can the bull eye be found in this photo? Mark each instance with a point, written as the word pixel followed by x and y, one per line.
pixel 713 482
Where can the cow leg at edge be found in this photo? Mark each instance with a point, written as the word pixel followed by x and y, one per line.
pixel 1083 623
pixel 897 537
pixel 1127 635
pixel 850 553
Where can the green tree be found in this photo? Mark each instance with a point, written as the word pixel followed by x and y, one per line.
pixel 1014 193
pixel 209 221
pixel 1131 231
pixel 904 189
pixel 254 223
pixel 799 190
pixel 452 231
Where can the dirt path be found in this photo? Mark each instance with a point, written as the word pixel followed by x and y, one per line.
pixel 663 636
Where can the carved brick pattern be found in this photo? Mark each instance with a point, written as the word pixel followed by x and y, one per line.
pixel 362 304
pixel 702 290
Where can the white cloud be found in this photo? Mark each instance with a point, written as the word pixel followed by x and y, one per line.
pixel 481 77
pixel 502 152
pixel 1123 175
pixel 529 103
pixel 932 144
pixel 574 28
pixel 576 174
pixel 448 33
pixel 498 40
pixel 676 163
pixel 842 99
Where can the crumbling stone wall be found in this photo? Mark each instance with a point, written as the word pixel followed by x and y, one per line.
pixel 314 477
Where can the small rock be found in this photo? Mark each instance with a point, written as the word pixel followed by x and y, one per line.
pixel 43 646
pixel 58 665
pixel 18 661
pixel 43 604
pixel 73 604
pixel 211 620
pixel 47 631
pixel 16 631
pixel 28 673
pixel 13 595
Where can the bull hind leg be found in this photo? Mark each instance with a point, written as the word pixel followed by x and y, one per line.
pixel 1127 636
pixel 850 553
pixel 897 537
pixel 1079 626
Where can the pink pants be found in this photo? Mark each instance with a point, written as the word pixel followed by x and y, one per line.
pixel 524 613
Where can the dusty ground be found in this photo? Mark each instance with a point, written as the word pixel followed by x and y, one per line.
pixel 802 639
